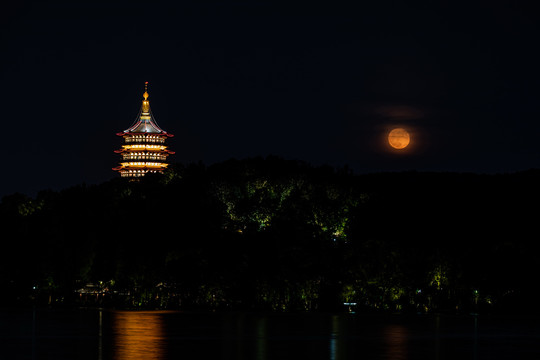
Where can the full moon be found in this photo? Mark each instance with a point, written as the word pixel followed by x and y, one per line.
pixel 399 138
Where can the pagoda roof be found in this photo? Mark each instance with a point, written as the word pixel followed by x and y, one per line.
pixel 145 123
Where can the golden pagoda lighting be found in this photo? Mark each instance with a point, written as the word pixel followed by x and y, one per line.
pixel 144 150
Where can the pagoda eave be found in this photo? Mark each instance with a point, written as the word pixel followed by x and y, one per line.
pixel 141 168
pixel 145 149
pixel 139 133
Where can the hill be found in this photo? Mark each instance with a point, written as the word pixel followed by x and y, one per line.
pixel 275 234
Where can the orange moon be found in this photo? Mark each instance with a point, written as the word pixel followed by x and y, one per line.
pixel 399 138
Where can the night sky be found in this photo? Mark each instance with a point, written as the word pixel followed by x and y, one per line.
pixel 322 83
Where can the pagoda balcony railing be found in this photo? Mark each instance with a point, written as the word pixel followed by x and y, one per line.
pixel 129 140
pixel 138 174
pixel 142 157
pixel 139 164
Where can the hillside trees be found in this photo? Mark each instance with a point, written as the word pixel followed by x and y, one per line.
pixel 277 234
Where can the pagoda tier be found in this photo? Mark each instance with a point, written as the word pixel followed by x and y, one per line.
pixel 144 149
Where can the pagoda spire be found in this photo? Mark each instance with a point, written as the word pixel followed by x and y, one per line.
pixel 145 121
pixel 146 103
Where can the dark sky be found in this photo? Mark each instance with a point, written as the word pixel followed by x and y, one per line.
pixel 320 83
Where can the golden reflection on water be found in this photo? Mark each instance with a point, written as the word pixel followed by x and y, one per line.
pixel 395 337
pixel 138 335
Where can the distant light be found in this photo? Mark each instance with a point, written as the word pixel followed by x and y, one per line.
pixel 349 304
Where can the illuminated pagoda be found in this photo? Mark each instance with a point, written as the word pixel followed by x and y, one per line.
pixel 144 149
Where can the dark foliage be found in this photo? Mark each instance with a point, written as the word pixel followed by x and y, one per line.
pixel 277 235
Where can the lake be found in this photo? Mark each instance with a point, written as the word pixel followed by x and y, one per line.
pixel 109 334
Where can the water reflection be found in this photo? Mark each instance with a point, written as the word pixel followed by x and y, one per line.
pixel 475 346
pixel 89 335
pixel 138 335
pixel 395 337
pixel 261 346
pixel 336 341
pixel 100 336
pixel 34 334
pixel 437 336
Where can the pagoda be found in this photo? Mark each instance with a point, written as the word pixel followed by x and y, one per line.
pixel 144 149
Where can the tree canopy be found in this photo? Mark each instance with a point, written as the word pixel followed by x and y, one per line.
pixel 276 234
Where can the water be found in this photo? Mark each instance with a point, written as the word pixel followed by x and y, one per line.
pixel 161 335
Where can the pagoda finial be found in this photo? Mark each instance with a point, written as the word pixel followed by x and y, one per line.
pixel 145 95
pixel 145 103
